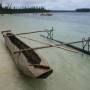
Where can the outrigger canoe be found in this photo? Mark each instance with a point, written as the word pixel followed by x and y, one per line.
pixel 26 59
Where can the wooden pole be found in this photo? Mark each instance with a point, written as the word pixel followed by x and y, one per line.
pixel 63 43
pixel 71 46
pixel 24 33
pixel 32 32
pixel 88 43
pixel 49 45
pixel 30 49
pixel 52 45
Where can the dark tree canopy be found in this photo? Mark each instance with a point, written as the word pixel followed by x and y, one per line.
pixel 83 10
pixel 9 10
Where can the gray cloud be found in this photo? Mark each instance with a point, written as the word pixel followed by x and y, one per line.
pixel 51 4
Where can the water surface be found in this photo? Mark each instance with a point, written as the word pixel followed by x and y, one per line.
pixel 71 70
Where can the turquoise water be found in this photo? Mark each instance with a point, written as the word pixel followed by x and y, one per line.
pixel 71 70
pixel 68 26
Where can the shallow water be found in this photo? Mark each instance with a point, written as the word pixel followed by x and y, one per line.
pixel 71 70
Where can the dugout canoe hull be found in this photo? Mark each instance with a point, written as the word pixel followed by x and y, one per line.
pixel 29 62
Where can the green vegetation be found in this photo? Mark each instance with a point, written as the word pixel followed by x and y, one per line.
pixel 83 10
pixel 9 10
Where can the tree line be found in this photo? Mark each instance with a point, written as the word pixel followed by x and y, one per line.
pixel 9 10
pixel 83 10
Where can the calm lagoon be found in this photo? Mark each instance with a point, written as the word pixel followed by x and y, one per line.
pixel 71 70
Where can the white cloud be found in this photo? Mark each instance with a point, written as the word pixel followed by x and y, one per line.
pixel 52 4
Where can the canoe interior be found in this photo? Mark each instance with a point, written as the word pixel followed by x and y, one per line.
pixel 31 56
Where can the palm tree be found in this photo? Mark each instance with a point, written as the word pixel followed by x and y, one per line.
pixel 0 4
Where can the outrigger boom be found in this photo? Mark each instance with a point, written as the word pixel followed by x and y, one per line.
pixel 27 32
pixel 28 49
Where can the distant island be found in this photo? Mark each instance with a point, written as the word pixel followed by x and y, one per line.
pixel 83 10
pixel 76 10
pixel 57 11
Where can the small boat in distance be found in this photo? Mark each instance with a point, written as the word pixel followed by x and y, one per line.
pixel 46 14
pixel 25 57
pixel 2 14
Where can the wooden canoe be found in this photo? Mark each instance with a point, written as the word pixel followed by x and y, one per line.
pixel 28 61
pixel 46 14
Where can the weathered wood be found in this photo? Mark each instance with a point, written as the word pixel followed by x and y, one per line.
pixel 71 46
pixel 49 45
pixel 32 32
pixel 63 43
pixel 5 31
pixel 40 66
pixel 79 49
pixel 76 42
pixel 26 58
pixel 52 45
pixel 26 32
pixel 28 49
pixel 35 40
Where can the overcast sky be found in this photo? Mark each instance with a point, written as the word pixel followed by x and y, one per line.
pixel 51 4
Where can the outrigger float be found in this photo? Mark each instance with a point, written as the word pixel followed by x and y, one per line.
pixel 27 60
